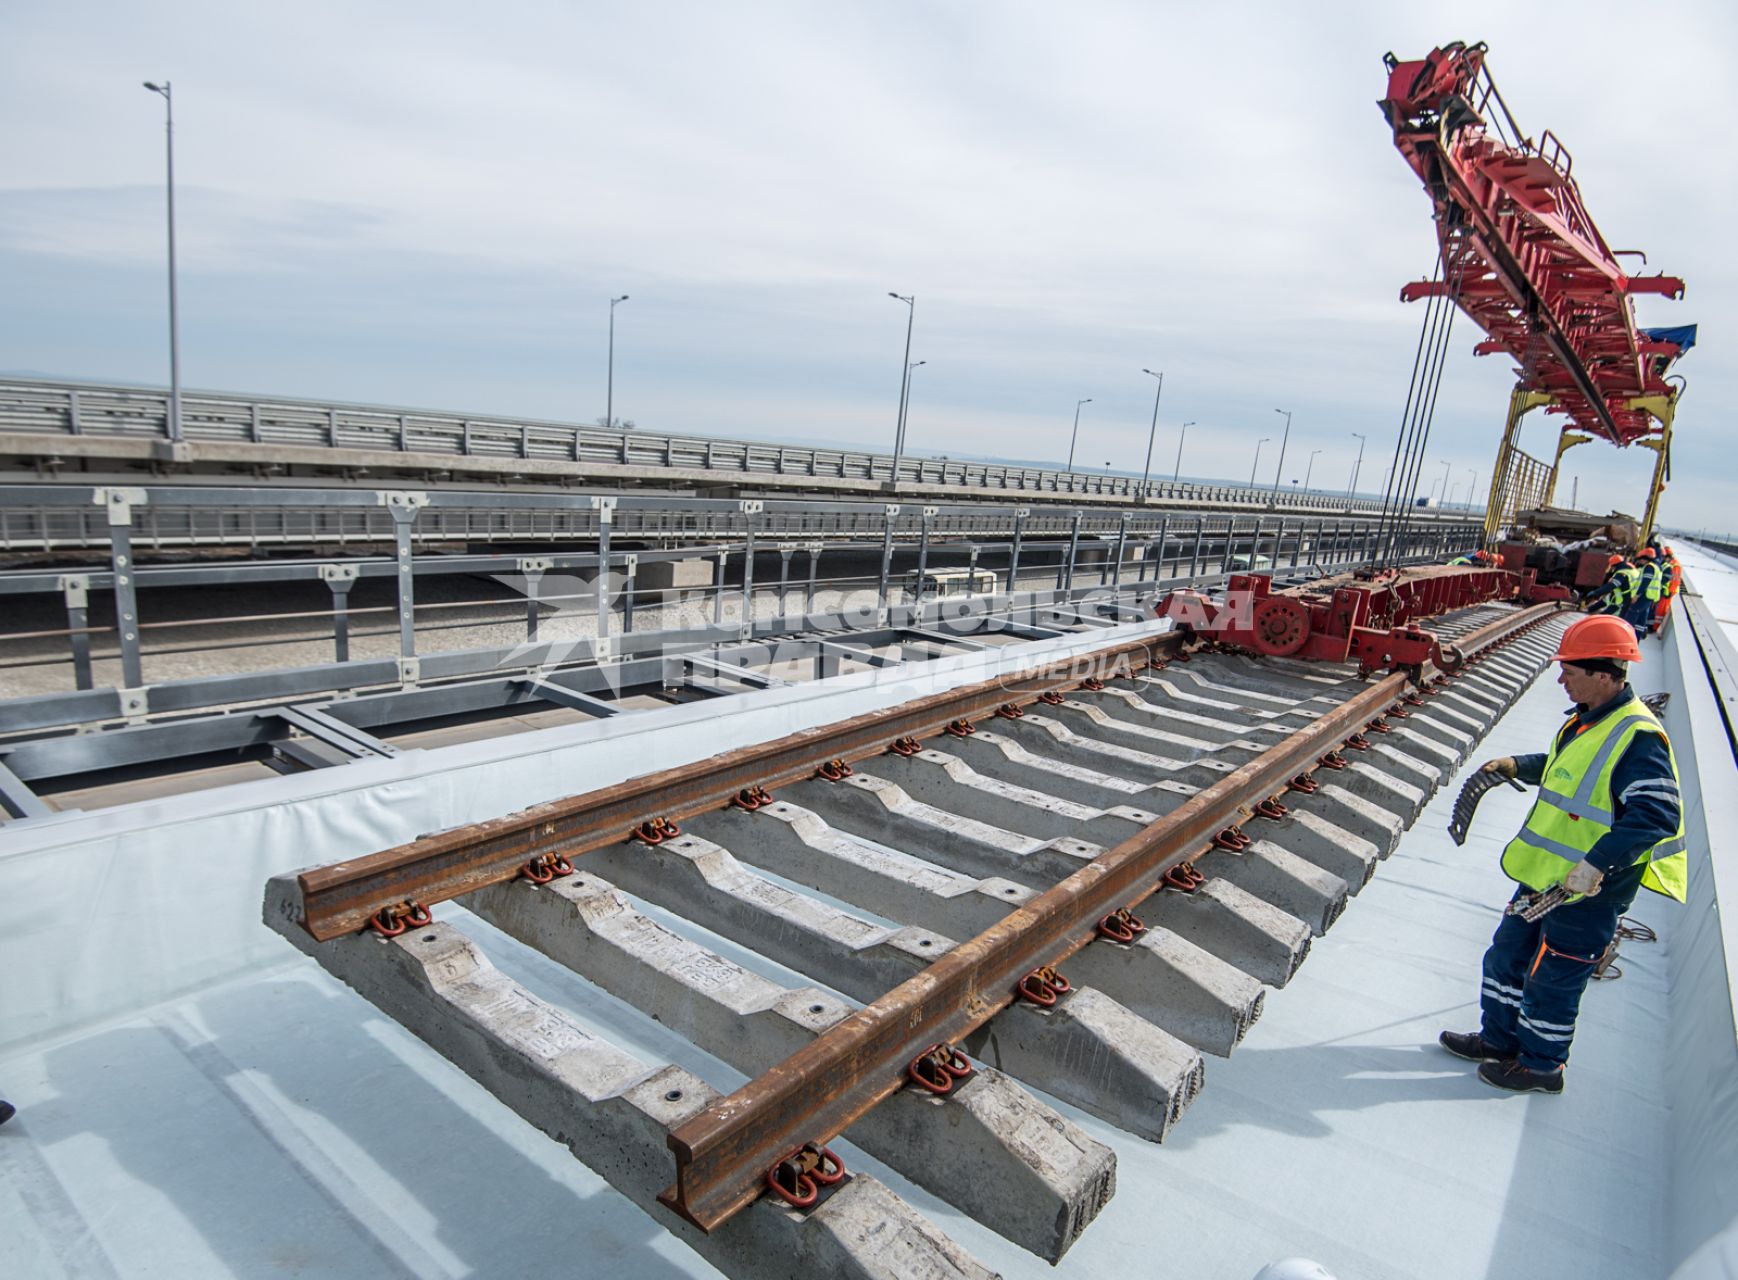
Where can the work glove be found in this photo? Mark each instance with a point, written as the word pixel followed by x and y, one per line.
pixel 1504 765
pixel 1584 878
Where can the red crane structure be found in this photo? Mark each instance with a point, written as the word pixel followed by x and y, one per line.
pixel 1523 259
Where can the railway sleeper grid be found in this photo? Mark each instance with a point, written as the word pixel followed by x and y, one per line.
pixel 861 883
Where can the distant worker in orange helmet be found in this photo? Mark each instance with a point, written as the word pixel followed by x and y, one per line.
pixel 1672 576
pixel 1607 822
pixel 1650 584
pixel 1615 591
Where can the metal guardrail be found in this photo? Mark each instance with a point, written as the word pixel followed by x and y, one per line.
pixel 70 409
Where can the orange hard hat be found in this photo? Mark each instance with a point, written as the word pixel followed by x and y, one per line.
pixel 1599 636
pixel 1613 562
pixel 1646 553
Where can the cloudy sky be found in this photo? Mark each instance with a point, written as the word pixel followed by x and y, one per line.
pixel 431 204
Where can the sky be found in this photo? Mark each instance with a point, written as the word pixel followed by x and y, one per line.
pixel 432 205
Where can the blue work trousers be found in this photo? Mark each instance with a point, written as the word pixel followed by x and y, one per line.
pixel 1534 974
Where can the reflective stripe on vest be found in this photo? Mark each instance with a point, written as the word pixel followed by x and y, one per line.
pixel 1627 581
pixel 1563 826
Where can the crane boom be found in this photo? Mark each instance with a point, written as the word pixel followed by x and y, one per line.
pixel 1523 257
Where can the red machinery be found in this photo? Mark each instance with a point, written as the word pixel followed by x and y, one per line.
pixel 1534 272
pixel 1522 257
pixel 1371 621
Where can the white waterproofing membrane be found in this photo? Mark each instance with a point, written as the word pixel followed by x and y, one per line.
pixel 197 1100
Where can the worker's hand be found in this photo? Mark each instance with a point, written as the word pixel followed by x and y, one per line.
pixel 1584 878
pixel 1504 765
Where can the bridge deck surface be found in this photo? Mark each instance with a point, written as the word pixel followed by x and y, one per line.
pixel 269 1124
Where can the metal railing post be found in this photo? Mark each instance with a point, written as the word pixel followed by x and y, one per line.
pixel 889 512
pixel 75 590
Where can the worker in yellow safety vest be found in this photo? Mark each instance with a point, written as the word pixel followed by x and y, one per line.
pixel 1618 589
pixel 1671 576
pixel 1607 822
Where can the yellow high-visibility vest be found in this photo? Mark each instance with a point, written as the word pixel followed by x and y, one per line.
pixel 1628 581
pixel 1575 807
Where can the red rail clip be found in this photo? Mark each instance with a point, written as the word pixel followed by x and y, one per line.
pixel 656 831
pixel 543 869
pixel 1121 925
pixel 391 921
pixel 1272 810
pixel 1184 877
pixel 1011 711
pixel 960 729
pixel 834 770
pixel 939 1068
pixel 799 1177
pixel 906 746
pixel 1051 698
pixel 750 799
pixel 1412 699
pixel 1233 839
pixel 1042 986
pixel 1379 725
pixel 1333 760
pixel 1304 783
pixel 1091 684
pixel 1358 742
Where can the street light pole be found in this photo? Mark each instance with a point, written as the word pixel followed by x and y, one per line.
pixel 910 369
pixel 1357 466
pixel 1073 439
pixel 1444 481
pixel 1147 471
pixel 1282 443
pixel 174 423
pixel 609 413
pixel 1308 470
pixel 1257 462
pixel 1473 488
pixel 1181 436
pixel 904 380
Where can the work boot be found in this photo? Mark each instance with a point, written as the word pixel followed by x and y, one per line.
pixel 1471 1046
pixel 1511 1075
pixel 7 1111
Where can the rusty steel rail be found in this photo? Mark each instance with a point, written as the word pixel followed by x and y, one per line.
pixel 341 898
pixel 723 1153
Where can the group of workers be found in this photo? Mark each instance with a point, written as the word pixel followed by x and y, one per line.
pixel 1639 590
pixel 1607 822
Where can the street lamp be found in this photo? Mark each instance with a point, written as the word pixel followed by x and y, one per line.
pixel 1444 481
pixel 1282 443
pixel 909 370
pixel 609 413
pixel 174 424
pixel 1309 469
pixel 904 379
pixel 1257 462
pixel 1148 469
pixel 1352 489
pixel 1472 488
pixel 1076 436
pixel 1181 436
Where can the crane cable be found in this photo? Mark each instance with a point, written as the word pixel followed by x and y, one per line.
pixel 1421 394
